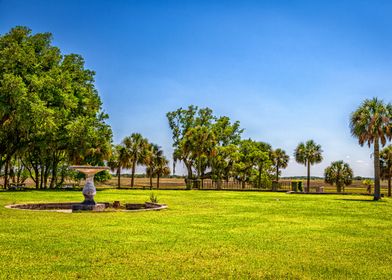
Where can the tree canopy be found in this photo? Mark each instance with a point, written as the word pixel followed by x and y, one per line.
pixel 340 174
pixel 50 111
pixel 211 147
pixel 308 154
pixel 386 165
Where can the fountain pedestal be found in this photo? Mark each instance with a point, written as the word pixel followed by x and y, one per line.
pixel 89 190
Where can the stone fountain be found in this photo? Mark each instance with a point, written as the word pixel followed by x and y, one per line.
pixel 89 190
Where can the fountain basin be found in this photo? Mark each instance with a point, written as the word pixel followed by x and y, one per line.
pixel 60 206
pixel 69 207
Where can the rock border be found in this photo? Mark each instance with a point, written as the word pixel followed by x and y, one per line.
pixel 69 207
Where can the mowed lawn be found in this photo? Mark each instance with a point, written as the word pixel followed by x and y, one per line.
pixel 203 235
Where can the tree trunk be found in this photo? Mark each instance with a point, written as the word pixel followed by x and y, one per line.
pixel 42 177
pixel 54 174
pixel 118 177
pixel 133 173
pixel 377 191
pixel 277 173
pixel 157 181
pixel 62 177
pixel 199 170
pixel 6 173
pixel 389 186
pixel 150 181
pixel 36 171
pixel 46 175
pixel 189 169
pixel 259 176
pixel 11 174
pixel 1 167
pixel 18 175
pixel 308 180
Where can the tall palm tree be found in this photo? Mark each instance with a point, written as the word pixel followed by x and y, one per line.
pixel 386 166
pixel 280 160
pixel 308 154
pixel 118 161
pixel 371 123
pixel 340 174
pixel 137 148
pixel 154 153
pixel 161 168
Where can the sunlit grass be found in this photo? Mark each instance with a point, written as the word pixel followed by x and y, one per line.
pixel 204 234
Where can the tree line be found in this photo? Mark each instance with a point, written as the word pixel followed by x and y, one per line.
pixel 212 147
pixel 137 150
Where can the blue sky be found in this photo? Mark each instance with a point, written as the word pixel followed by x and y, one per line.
pixel 289 71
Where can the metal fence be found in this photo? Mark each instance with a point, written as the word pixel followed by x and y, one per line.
pixel 209 184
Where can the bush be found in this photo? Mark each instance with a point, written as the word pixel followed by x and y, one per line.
pixel 297 186
pixel 102 176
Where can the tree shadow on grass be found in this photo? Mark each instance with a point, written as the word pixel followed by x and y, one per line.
pixel 361 200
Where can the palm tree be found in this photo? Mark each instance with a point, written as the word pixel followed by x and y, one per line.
pixel 161 168
pixel 201 142
pixel 263 160
pixel 119 160
pixel 280 160
pixel 308 154
pixel 154 153
pixel 371 123
pixel 137 148
pixel 222 164
pixel 386 165
pixel 340 174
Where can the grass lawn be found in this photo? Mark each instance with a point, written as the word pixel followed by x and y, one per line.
pixel 203 235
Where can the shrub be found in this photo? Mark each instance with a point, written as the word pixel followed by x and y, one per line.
pixel 297 186
pixel 102 176
pixel 153 198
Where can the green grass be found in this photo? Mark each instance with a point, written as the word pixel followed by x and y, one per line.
pixel 203 235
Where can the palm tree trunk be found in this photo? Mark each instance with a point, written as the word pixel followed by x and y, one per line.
pixel 151 182
pixel 133 173
pixel 377 193
pixel 157 181
pixel 119 177
pixel 389 186
pixel 308 180
pixel 277 173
